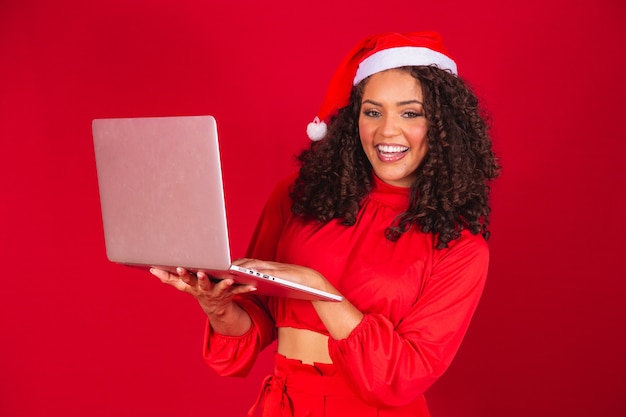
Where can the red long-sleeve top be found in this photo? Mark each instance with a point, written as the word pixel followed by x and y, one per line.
pixel 417 301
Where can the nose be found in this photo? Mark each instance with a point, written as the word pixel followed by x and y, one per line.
pixel 389 126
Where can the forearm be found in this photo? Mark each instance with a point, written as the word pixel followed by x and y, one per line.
pixel 340 318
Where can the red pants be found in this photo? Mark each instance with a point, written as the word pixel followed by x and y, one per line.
pixel 299 390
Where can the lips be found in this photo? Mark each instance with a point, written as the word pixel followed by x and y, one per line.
pixel 391 153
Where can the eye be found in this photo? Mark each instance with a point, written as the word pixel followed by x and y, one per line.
pixel 371 113
pixel 410 114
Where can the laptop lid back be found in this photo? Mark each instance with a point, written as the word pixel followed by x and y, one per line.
pixel 161 192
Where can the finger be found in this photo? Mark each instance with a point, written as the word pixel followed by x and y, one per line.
pixel 224 285
pixel 164 276
pixel 228 285
pixel 234 289
pixel 170 279
pixel 185 276
pixel 255 264
pixel 206 283
pixel 241 261
pixel 242 289
pixel 203 282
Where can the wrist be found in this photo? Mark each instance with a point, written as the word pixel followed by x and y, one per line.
pixel 231 321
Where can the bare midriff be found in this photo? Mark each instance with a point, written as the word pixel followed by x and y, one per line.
pixel 305 345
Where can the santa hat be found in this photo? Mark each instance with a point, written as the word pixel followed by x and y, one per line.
pixel 375 54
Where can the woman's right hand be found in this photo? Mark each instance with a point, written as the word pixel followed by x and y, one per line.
pixel 215 298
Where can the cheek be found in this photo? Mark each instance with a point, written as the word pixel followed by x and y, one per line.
pixel 365 133
pixel 420 138
pixel 419 141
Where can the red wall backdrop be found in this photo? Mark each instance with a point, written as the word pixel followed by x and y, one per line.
pixel 80 336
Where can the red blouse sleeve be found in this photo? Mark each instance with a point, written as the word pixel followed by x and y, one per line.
pixel 392 366
pixel 234 356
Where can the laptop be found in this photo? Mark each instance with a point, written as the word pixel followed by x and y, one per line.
pixel 162 200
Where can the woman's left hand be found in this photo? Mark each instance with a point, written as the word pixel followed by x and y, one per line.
pixel 294 273
pixel 340 318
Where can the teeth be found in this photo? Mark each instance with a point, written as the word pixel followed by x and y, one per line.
pixel 392 149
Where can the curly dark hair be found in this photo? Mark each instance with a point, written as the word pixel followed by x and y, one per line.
pixel 451 191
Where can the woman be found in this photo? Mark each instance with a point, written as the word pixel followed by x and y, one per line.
pixel 389 210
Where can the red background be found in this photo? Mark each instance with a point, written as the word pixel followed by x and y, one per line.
pixel 80 336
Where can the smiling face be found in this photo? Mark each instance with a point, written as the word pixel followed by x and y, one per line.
pixel 392 126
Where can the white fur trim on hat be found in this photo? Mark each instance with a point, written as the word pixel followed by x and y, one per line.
pixel 400 57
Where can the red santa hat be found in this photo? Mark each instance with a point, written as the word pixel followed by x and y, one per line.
pixel 375 54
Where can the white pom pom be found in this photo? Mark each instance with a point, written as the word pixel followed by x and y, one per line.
pixel 316 130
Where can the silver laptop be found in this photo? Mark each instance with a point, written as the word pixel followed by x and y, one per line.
pixel 162 200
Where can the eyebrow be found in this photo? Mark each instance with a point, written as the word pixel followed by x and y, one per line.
pixel 400 103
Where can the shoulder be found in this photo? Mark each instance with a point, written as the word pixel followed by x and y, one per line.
pixel 468 241
pixel 468 251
